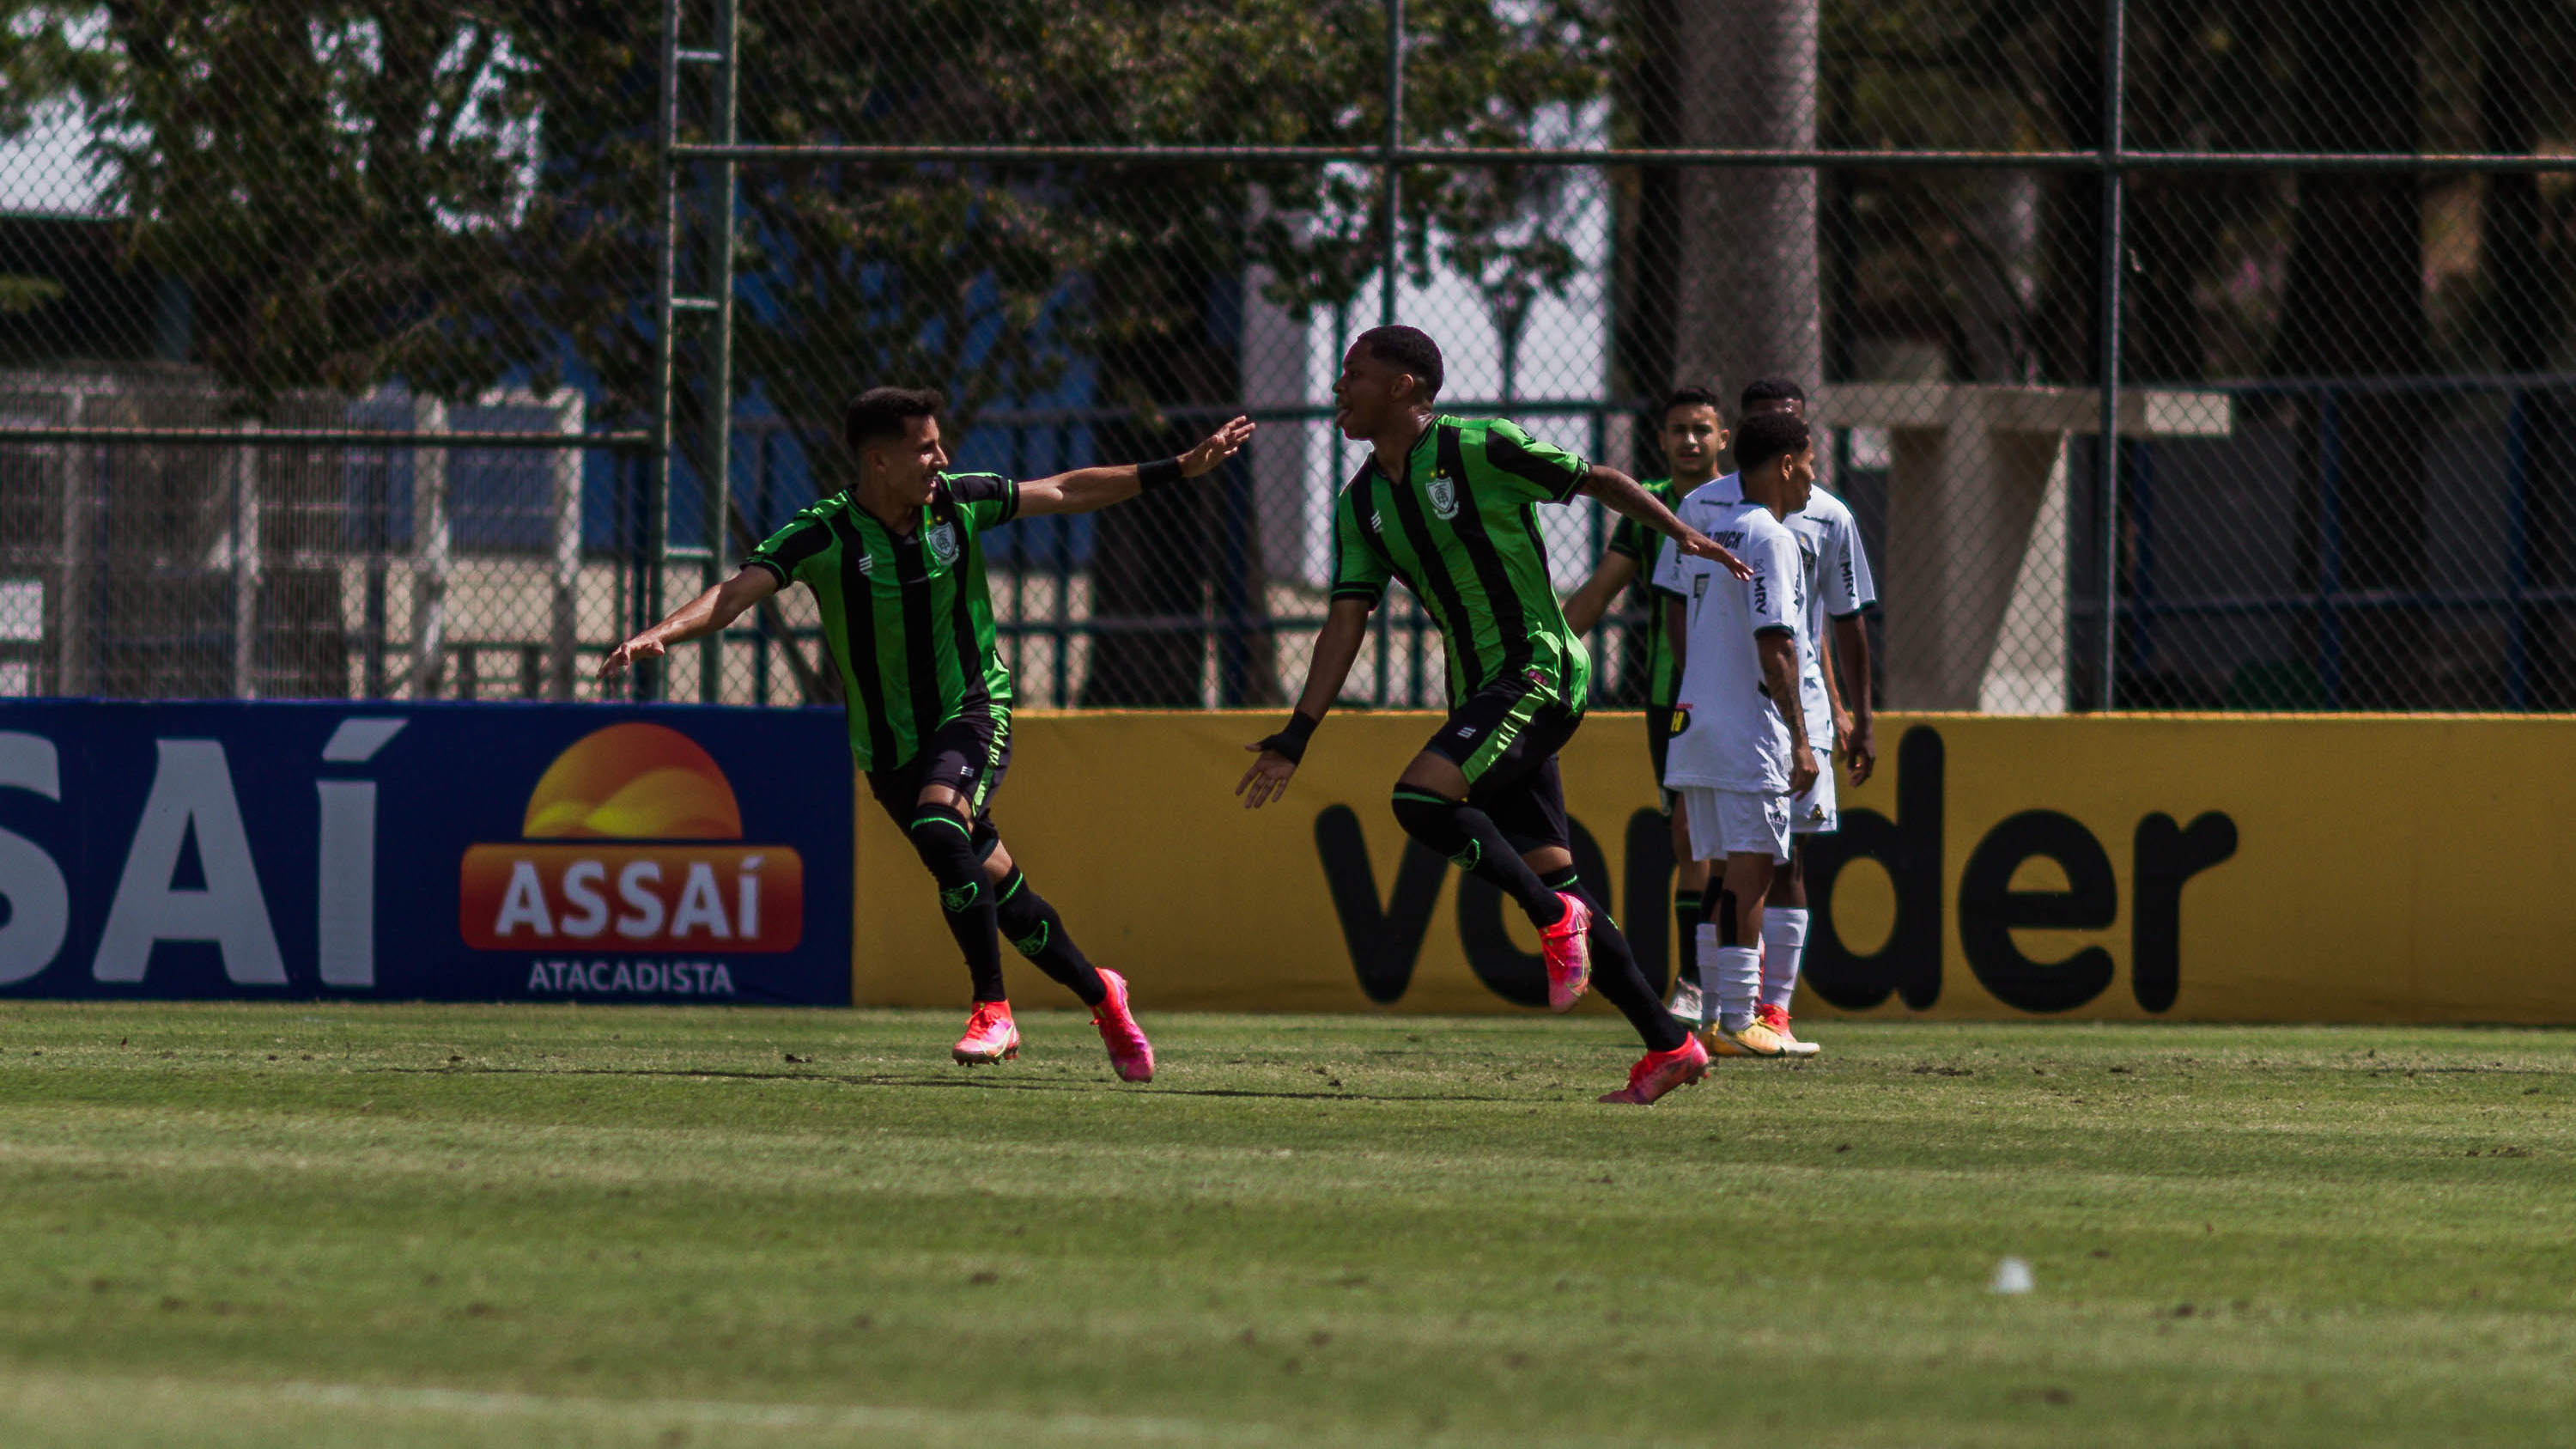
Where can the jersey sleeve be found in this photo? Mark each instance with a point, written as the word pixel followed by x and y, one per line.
pixel 804 537
pixel 1360 570
pixel 1842 572
pixel 1771 595
pixel 989 500
pixel 1540 471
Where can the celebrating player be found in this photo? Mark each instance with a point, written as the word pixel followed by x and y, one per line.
pixel 1740 748
pixel 897 564
pixel 1448 506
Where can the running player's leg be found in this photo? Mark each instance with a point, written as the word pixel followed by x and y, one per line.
pixel 1030 923
pixel 1528 806
pixel 1431 798
pixel 923 799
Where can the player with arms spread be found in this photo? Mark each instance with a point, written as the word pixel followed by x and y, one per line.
pixel 1448 506
pixel 897 564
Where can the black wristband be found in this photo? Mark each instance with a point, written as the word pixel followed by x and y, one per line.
pixel 1291 741
pixel 1150 476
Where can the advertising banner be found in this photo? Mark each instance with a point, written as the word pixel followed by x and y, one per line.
pixel 478 852
pixel 2221 868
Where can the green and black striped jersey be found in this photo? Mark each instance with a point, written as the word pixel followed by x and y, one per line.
pixel 1461 531
pixel 907 614
pixel 1637 541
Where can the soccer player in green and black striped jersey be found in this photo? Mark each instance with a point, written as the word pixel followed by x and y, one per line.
pixel 1448 506
pixel 1692 436
pixel 897 564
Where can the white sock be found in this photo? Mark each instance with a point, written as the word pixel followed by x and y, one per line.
pixel 1784 940
pixel 1731 978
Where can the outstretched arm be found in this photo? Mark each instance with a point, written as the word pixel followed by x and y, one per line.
pixel 1337 648
pixel 1626 497
pixel 1085 489
pixel 706 614
pixel 1615 572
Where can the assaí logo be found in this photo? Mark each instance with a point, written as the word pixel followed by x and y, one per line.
pixel 632 847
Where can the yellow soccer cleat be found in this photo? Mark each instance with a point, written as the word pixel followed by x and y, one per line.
pixel 1754 1039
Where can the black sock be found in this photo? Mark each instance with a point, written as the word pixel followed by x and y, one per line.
pixel 1469 838
pixel 1687 915
pixel 1038 933
pixel 1615 973
pixel 948 849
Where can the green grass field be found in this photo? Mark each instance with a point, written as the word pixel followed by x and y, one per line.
pixel 583 1226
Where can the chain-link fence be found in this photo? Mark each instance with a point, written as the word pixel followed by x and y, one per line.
pixel 2172 353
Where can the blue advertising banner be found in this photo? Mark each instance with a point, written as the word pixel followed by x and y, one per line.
pixel 450 852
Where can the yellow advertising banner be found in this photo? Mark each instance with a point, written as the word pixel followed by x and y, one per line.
pixel 2266 868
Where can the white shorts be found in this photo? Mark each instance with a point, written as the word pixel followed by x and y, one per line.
pixel 1736 822
pixel 1816 812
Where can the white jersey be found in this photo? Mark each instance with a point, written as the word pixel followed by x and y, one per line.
pixel 1727 734
pixel 1838 586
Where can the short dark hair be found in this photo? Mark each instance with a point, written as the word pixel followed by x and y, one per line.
pixel 1687 397
pixel 1409 348
pixel 1768 390
pixel 881 412
pixel 1762 437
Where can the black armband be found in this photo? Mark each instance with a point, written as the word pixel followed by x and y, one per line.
pixel 1291 741
pixel 1150 476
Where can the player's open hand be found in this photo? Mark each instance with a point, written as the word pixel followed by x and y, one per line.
pixel 1860 751
pixel 1218 446
pixel 1267 780
pixel 642 646
pixel 1699 545
pixel 1802 770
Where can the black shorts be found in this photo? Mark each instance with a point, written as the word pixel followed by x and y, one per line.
pixel 1659 745
pixel 969 755
pixel 1504 737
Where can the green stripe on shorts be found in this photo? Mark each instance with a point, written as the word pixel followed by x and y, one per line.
pixel 1503 735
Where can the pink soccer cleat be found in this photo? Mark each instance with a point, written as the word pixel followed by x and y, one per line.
pixel 1659 1072
pixel 1568 953
pixel 990 1036
pixel 1129 1053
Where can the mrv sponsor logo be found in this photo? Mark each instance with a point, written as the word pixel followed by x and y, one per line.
pixel 632 844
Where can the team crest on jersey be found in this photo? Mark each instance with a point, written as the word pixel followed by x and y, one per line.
pixel 943 543
pixel 1444 496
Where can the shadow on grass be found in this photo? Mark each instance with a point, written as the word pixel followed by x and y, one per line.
pixel 959 1081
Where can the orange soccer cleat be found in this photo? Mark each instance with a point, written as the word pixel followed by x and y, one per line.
pixel 1659 1072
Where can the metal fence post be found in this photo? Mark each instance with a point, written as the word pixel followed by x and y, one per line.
pixel 666 287
pixel 429 550
pixel 246 561
pixel 564 628
pixel 2517 502
pixel 717 486
pixel 1393 256
pixel 2115 87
